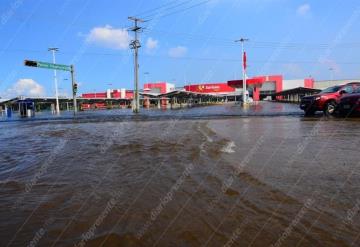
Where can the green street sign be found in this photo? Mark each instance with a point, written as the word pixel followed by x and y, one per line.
pixel 53 66
pixel 45 65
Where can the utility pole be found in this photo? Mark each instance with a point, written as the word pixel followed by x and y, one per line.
pixel 135 45
pixel 53 50
pixel 243 40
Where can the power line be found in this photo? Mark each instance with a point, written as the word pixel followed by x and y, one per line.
pixel 117 54
pixel 163 8
pixel 156 8
pixel 190 36
pixel 228 42
pixel 178 11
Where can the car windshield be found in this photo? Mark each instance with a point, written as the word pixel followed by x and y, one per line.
pixel 331 89
pixel 357 90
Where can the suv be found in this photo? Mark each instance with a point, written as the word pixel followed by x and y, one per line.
pixel 327 99
pixel 350 104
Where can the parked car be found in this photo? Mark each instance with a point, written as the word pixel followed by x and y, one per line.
pixel 349 104
pixel 327 99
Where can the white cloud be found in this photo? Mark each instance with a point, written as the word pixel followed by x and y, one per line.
pixel 303 10
pixel 152 44
pixel 26 87
pixel 109 37
pixel 178 51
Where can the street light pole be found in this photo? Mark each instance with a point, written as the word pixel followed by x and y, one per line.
pixel 242 40
pixel 53 50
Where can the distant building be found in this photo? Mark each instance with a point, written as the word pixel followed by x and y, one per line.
pixel 219 88
pixel 329 83
pixel 159 87
pixel 261 87
pixel 110 94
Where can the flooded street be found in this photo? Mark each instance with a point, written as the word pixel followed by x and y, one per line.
pixel 179 123
pixel 211 176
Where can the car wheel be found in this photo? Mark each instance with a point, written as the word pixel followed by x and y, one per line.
pixel 330 108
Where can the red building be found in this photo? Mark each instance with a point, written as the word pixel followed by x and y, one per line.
pixel 110 94
pixel 210 88
pixel 271 84
pixel 93 95
pixel 259 87
pixel 159 87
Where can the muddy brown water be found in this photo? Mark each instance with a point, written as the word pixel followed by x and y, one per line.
pixel 256 181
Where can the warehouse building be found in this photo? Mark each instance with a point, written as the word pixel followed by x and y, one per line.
pixel 272 87
pixel 330 83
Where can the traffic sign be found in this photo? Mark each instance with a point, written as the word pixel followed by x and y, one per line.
pixel 55 66
pixel 45 65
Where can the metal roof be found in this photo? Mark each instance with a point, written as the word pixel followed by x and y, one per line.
pixel 3 100
pixel 298 90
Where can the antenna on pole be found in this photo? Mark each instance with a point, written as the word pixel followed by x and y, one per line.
pixel 243 40
pixel 135 45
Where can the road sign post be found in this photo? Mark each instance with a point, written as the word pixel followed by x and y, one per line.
pixel 53 50
pixel 45 65
pixel 53 66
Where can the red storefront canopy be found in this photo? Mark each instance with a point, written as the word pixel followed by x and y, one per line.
pixel 249 82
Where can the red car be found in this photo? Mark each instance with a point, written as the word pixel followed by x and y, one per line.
pixel 350 104
pixel 327 99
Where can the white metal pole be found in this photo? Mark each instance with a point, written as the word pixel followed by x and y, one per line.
pixel 244 75
pixel 56 84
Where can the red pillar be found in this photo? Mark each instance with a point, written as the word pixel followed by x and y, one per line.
pixel 309 83
pixel 256 93
pixel 278 83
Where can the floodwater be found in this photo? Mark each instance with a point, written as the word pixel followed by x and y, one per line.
pixel 181 181
pixel 226 110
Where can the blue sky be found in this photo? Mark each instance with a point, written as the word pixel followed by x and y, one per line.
pixel 289 37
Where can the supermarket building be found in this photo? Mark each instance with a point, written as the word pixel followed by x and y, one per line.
pixel 259 88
